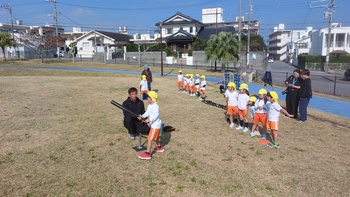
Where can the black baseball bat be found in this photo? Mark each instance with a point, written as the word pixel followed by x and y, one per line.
pixel 122 108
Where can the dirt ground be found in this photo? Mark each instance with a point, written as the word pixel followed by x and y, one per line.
pixel 60 136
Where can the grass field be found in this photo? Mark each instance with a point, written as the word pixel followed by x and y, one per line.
pixel 60 136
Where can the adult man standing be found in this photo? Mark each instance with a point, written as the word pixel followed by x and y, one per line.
pixel 134 104
pixel 147 72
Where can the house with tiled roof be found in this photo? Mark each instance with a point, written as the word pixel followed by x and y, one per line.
pixel 179 31
pixel 101 42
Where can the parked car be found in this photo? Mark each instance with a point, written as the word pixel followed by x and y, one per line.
pixel 270 60
pixel 347 74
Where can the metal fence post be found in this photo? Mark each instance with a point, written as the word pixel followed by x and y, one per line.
pixel 335 85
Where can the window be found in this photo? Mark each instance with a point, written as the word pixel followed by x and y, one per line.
pixel 169 30
pixel 86 44
pixel 340 40
pixel 191 29
pixel 181 28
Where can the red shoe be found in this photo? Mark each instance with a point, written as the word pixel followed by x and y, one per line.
pixel 145 155
pixel 159 149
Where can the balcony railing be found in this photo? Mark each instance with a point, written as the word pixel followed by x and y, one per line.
pixel 339 44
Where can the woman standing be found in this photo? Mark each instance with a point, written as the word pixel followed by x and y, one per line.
pixel 146 71
pixel 305 94
pixel 292 98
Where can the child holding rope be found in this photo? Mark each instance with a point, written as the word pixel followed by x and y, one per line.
pixel 260 114
pixel 196 83
pixel 154 122
pixel 232 102
pixel 251 107
pixel 273 114
pixel 243 99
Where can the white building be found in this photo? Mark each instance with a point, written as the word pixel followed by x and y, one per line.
pixel 340 41
pixel 285 45
pixel 103 43
pixel 212 15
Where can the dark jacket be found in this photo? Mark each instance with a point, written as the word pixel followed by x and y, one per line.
pixel 148 74
pixel 137 107
pixel 297 82
pixel 305 89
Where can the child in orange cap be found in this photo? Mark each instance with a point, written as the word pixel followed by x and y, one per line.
pixel 154 122
pixel 273 114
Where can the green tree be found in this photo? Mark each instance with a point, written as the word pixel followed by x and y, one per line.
pixel 222 48
pixel 199 44
pixel 256 43
pixel 6 41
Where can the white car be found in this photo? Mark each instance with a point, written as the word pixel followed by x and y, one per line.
pixel 270 60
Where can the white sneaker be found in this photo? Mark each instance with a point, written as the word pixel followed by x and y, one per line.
pixel 252 134
pixel 257 133
pixel 232 125
pixel 239 127
pixel 245 129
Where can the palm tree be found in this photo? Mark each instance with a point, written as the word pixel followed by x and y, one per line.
pixel 6 41
pixel 222 48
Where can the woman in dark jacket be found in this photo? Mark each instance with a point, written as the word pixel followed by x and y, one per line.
pixel 146 71
pixel 292 98
pixel 305 94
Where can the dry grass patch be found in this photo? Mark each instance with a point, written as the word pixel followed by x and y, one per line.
pixel 85 64
pixel 60 136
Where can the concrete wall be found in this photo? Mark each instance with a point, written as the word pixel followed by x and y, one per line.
pixel 199 59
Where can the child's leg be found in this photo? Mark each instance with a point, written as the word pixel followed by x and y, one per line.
pixel 274 135
pixel 254 127
pixel 157 142
pixel 231 119
pixel 149 146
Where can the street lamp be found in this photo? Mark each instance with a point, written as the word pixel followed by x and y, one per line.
pixel 161 48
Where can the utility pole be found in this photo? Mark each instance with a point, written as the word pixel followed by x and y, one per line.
pixel 240 32
pixel 9 8
pixel 248 43
pixel 161 48
pixel 328 15
pixel 56 21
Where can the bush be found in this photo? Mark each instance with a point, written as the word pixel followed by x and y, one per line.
pixel 304 60
pixel 190 52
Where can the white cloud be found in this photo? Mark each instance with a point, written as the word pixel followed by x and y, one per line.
pixel 83 12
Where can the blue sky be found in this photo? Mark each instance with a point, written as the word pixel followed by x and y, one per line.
pixel 140 16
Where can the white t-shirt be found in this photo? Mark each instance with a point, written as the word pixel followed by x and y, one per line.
pixel 191 82
pixel 197 83
pixel 273 113
pixel 180 78
pixel 260 103
pixel 144 85
pixel 243 101
pixel 153 115
pixel 185 81
pixel 188 80
pixel 232 98
pixel 226 91
pixel 203 84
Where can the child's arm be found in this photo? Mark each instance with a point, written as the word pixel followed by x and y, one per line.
pixel 285 112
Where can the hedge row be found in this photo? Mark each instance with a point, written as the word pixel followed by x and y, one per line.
pixel 304 59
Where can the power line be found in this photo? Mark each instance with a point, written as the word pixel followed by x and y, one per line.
pixel 138 9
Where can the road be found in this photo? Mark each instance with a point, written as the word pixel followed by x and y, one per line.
pixel 321 82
